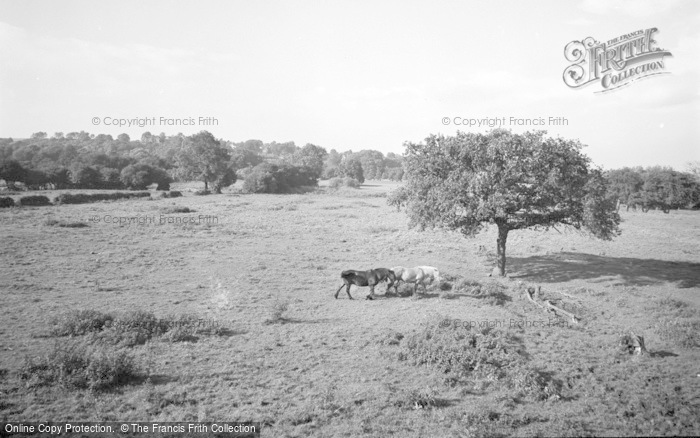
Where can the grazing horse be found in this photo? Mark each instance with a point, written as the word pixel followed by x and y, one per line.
pixel 369 278
pixel 408 275
pixel 430 273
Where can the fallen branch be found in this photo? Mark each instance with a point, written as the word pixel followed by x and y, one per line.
pixel 556 309
pixel 530 292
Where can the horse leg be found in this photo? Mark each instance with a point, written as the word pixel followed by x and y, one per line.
pixel 396 286
pixel 347 289
pixel 338 291
pixel 371 292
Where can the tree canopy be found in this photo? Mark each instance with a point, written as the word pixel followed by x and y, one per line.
pixel 515 181
pixel 203 158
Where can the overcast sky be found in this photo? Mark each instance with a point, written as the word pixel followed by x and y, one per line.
pixel 346 74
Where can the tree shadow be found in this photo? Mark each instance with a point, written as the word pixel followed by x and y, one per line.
pixel 155 379
pixel 291 320
pixel 662 354
pixel 565 266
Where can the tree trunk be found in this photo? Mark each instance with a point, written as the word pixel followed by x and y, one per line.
pixel 206 186
pixel 501 247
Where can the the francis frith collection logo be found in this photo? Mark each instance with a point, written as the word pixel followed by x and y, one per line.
pixel 615 63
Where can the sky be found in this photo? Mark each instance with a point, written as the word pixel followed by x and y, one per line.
pixel 347 75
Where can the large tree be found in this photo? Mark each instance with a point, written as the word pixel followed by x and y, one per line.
pixel 352 168
pixel 515 181
pixel 12 172
pixel 311 156
pixel 202 157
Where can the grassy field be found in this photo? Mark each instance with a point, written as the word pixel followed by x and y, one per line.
pixel 469 358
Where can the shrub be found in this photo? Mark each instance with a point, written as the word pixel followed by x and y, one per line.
pixel 202 193
pixel 262 179
pixel 139 176
pixel 182 328
pixel 172 210
pixel 416 399
pixel 87 177
pixel 271 178
pixel 225 179
pixel 34 200
pixel 277 313
pixel 173 194
pixel 80 365
pixel 6 201
pixel 336 183
pixel 351 182
pixel 684 333
pixel 63 224
pixel 351 168
pixel 80 322
pixel 391 337
pixel 130 329
pixel 133 328
pixel 12 172
pixel 398 198
pixel 486 354
pixel 84 198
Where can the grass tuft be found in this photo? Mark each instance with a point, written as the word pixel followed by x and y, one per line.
pixel 277 312
pixel 173 210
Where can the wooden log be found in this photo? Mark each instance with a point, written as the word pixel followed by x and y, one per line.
pixel 530 292
pixel 557 309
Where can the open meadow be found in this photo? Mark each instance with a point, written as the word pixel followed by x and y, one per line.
pixel 242 287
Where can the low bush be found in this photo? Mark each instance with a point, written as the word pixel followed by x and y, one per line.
pixel 85 198
pixel 130 329
pixel 272 178
pixel 6 201
pixel 277 313
pixel 63 224
pixel 398 198
pixel 133 328
pixel 80 365
pixel 171 210
pixel 488 355
pixel 80 322
pixel 416 399
pixel 684 333
pixel 336 183
pixel 34 200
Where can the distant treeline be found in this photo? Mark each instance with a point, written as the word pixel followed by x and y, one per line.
pixel 81 160
pixel 656 187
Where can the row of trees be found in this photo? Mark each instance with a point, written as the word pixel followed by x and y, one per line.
pixel 654 188
pixel 82 160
